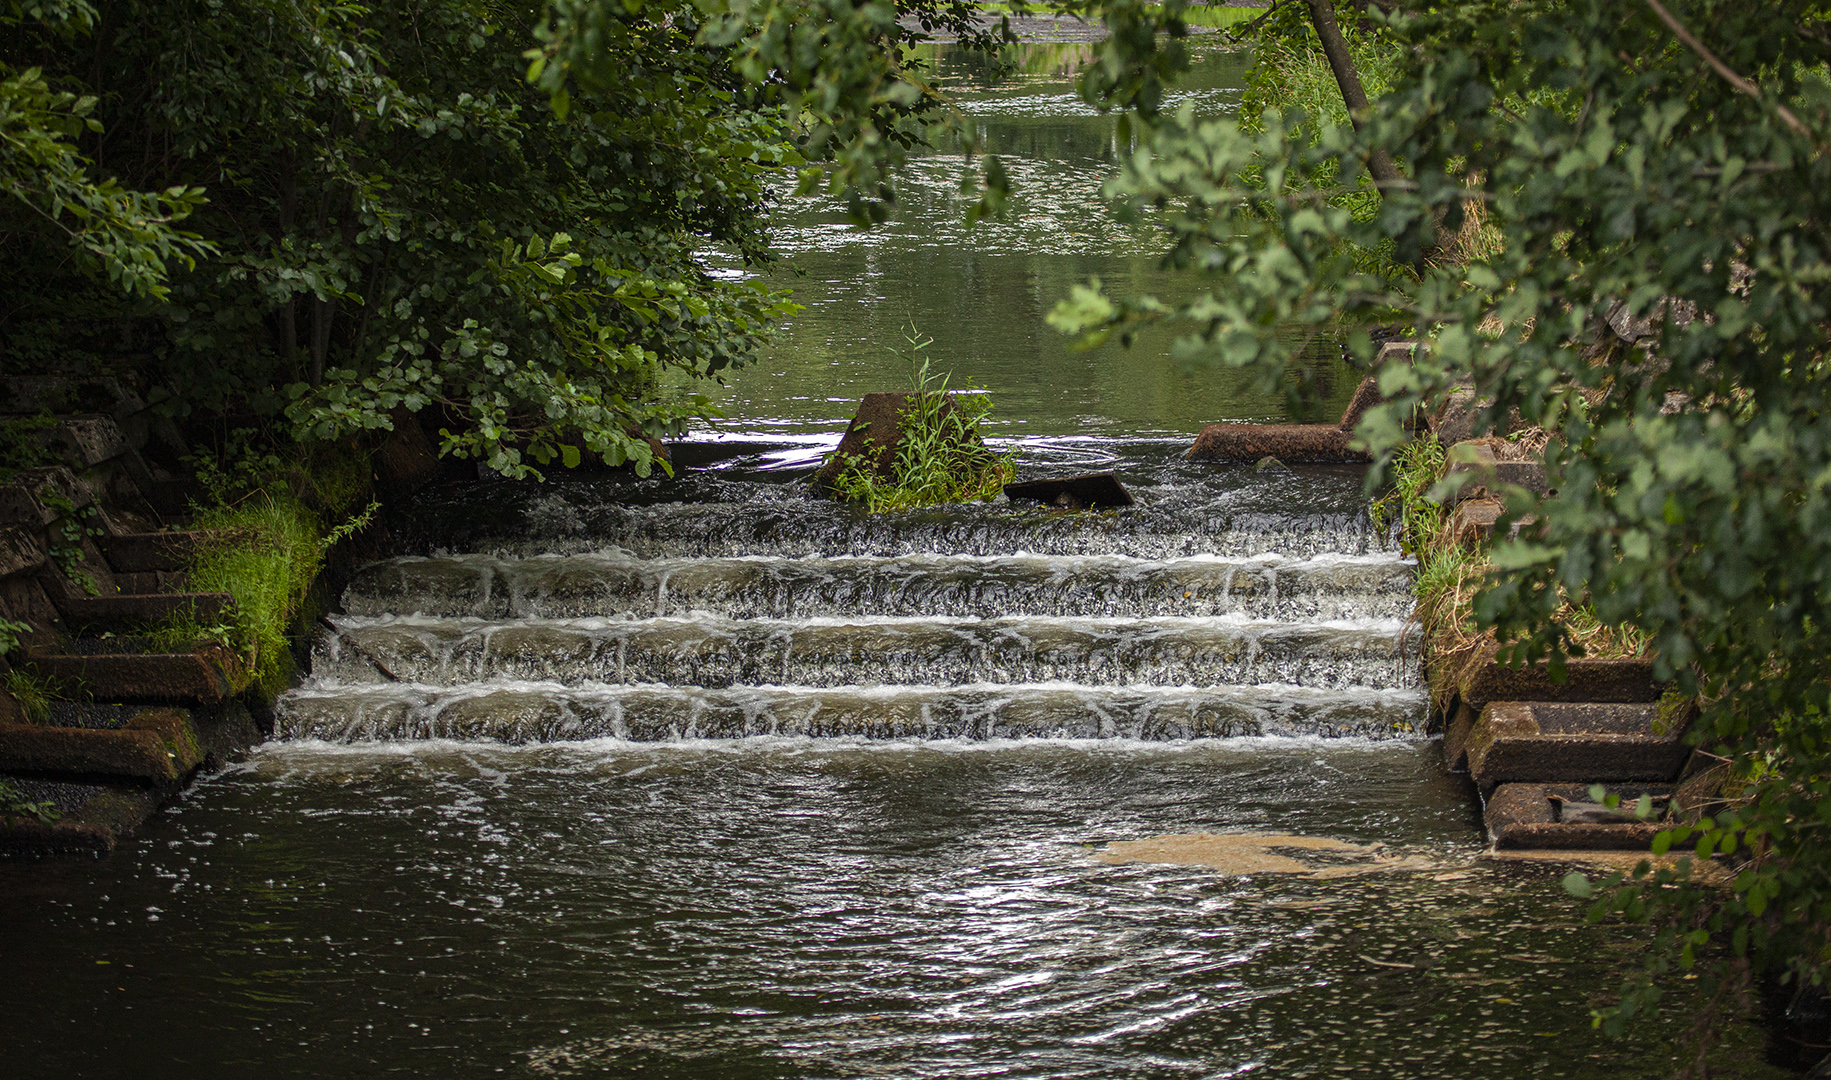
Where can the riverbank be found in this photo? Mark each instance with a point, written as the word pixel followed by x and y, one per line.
pixel 153 598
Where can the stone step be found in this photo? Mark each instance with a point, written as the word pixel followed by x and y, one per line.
pixel 157 747
pixel 1490 474
pixel 1564 817
pixel 206 675
pixel 145 552
pixel 1514 742
pixel 141 609
pixel 1586 679
pixel 93 828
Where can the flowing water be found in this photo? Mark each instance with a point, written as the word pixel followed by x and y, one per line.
pixel 705 777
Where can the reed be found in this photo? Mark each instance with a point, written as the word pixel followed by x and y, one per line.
pixel 940 459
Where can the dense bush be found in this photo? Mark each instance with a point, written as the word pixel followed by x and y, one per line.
pixel 1657 298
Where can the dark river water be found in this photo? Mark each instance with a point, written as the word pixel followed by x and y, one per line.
pixel 791 908
pixel 706 777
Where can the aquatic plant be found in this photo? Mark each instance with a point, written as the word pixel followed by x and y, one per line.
pixel 14 803
pixel 940 458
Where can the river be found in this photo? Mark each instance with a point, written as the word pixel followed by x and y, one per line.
pixel 704 777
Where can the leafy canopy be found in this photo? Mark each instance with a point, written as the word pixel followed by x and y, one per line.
pixel 1640 190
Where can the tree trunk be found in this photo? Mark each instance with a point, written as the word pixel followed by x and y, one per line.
pixel 289 207
pixel 1353 95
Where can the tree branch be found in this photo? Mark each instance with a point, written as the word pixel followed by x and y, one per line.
pixel 1718 66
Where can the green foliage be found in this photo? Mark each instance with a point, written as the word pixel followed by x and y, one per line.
pixel 11 633
pixel 269 513
pixel 23 445
pixel 271 548
pixel 32 693
pixel 1417 466
pixel 15 804
pixel 940 459
pixel 1290 74
pixel 73 527
pixel 399 221
pixel 842 78
pixel 50 194
pixel 1625 178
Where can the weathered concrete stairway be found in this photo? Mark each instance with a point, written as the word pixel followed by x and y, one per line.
pixel 86 568
pixel 736 606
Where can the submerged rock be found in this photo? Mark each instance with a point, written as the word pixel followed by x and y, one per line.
pixel 1093 491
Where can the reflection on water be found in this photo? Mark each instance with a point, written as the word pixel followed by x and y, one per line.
pixel 796 906
pixel 807 908
pixel 982 293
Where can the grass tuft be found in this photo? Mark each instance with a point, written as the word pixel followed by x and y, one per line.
pixel 940 459
pixel 31 692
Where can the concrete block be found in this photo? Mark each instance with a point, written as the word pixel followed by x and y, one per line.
pixel 1366 396
pixel 139 552
pixel 1457 419
pixel 128 610
pixel 1456 738
pixel 1585 680
pixel 92 829
pixel 1490 475
pixel 1473 520
pixel 36 484
pixel 21 549
pixel 88 441
pixel 143 755
pixel 1561 817
pixel 1292 444
pixel 1522 741
pixel 207 675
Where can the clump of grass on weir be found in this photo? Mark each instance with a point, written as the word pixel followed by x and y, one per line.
pixel 940 459
pixel 267 552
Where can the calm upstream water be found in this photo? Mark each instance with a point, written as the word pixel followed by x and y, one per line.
pixel 707 778
pixel 982 292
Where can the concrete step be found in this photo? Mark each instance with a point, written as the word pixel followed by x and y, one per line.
pixel 142 609
pixel 1563 817
pixel 1585 680
pixel 1490 473
pixel 158 748
pixel 1579 743
pixel 93 828
pixel 144 552
pixel 206 675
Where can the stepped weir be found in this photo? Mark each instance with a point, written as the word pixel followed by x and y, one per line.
pixel 1200 613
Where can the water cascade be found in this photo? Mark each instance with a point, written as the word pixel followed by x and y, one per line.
pixel 1130 624
pixel 706 777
